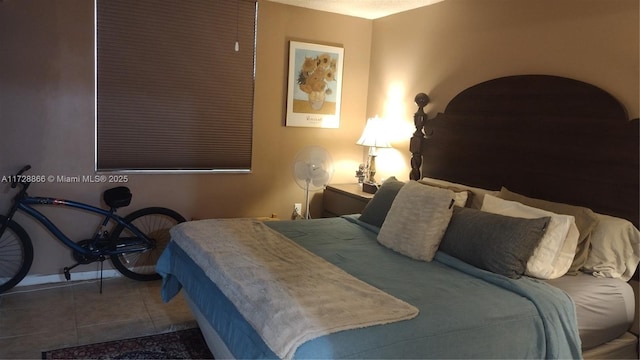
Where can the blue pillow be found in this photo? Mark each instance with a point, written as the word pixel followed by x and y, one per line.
pixel 376 210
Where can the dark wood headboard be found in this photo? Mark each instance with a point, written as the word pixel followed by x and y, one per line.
pixel 543 136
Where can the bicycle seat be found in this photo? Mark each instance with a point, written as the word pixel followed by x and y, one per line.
pixel 117 197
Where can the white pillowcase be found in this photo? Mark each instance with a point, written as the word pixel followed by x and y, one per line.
pixel 552 258
pixel 615 248
pixel 460 197
pixel 477 193
pixel 417 220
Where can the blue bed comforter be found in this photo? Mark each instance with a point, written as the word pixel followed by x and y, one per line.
pixel 465 312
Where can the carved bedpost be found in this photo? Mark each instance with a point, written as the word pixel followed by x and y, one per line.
pixel 415 145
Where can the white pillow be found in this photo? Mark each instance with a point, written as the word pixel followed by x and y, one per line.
pixel 460 196
pixel 615 248
pixel 552 258
pixel 417 220
pixel 477 193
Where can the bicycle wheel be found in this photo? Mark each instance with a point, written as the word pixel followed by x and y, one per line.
pixel 154 222
pixel 16 255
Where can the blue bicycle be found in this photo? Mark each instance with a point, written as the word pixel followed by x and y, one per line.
pixel 134 244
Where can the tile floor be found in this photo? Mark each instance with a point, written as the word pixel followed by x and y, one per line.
pixel 52 316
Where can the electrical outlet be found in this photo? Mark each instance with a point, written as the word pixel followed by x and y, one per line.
pixel 297 207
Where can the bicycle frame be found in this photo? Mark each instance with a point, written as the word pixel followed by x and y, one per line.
pixel 24 202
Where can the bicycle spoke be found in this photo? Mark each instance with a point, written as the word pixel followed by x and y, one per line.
pixel 16 254
pixel 155 223
pixel 11 254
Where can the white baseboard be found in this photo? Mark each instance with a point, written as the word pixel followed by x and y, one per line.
pixel 75 276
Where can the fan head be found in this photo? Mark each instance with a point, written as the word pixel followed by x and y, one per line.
pixel 312 168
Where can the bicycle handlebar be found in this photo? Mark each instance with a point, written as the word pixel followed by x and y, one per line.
pixel 15 181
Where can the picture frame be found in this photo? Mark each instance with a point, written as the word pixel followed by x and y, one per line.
pixel 314 87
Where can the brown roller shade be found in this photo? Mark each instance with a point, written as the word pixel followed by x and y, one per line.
pixel 172 93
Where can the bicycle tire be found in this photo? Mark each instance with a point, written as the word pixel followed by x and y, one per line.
pixel 154 222
pixel 16 255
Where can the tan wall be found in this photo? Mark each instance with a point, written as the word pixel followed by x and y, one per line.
pixel 444 48
pixel 47 119
pixel 47 99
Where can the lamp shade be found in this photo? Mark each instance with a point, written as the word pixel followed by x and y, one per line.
pixel 374 134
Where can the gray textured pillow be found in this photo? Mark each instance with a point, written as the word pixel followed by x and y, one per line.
pixel 586 221
pixel 417 220
pixel 497 243
pixel 376 210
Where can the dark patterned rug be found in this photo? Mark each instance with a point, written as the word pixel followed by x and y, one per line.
pixel 184 344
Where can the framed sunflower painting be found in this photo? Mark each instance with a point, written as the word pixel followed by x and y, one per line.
pixel 314 85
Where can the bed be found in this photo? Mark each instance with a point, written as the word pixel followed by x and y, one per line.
pixel 430 268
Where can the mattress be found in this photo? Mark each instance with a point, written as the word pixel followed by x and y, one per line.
pixel 604 306
pixel 456 301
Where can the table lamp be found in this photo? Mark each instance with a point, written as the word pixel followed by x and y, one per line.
pixel 373 136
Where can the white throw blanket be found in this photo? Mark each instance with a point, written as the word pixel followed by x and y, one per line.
pixel 288 294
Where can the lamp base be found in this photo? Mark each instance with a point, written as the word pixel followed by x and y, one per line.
pixel 369 188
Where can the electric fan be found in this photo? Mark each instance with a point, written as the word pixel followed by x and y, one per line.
pixel 312 170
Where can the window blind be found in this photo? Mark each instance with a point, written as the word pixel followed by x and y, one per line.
pixel 172 92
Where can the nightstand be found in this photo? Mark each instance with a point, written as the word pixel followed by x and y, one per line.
pixel 344 199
